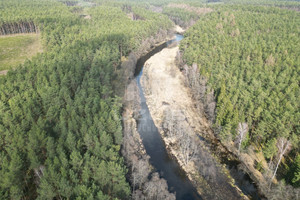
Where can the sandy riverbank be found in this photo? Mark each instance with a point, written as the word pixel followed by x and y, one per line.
pixel 165 91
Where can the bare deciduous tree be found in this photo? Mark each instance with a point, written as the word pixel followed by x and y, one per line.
pixel 242 131
pixel 168 122
pixel 283 145
pixel 210 105
pixel 188 148
pixel 157 188
pixel 142 169
pixel 138 194
pixel 136 158
pixel 39 173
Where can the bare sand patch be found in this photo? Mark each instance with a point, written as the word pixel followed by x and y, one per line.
pixel 178 29
pixel 4 72
pixel 164 87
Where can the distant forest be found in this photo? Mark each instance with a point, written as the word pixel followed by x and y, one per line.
pixel 61 128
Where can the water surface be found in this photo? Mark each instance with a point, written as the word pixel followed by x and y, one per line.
pixel 167 167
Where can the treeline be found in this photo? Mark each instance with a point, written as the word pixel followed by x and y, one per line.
pixel 182 13
pixel 60 119
pixel 248 57
pixel 180 16
pixel 287 4
pixel 20 27
pixel 157 2
pixel 70 2
pixel 26 16
pixel 185 13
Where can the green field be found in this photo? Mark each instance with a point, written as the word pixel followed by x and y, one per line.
pixel 15 49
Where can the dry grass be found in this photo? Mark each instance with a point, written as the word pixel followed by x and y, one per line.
pixel 16 48
pixel 165 90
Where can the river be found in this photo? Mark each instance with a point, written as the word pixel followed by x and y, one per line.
pixel 166 165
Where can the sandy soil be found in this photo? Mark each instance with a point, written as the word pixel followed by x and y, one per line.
pixel 4 72
pixel 164 88
pixel 178 29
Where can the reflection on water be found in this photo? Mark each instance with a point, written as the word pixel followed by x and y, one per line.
pixel 167 167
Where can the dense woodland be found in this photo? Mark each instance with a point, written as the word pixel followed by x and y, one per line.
pixel 249 56
pixel 60 113
pixel 60 120
pixel 29 15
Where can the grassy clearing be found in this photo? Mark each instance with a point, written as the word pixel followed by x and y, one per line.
pixel 15 49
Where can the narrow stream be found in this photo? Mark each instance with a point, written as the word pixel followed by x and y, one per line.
pixel 168 168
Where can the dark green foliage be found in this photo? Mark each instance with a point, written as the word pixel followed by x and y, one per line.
pixel 60 120
pixel 296 171
pixel 26 16
pixel 259 167
pixel 292 169
pixel 287 4
pixel 270 149
pixel 46 129
pixel 250 56
pixel 180 16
